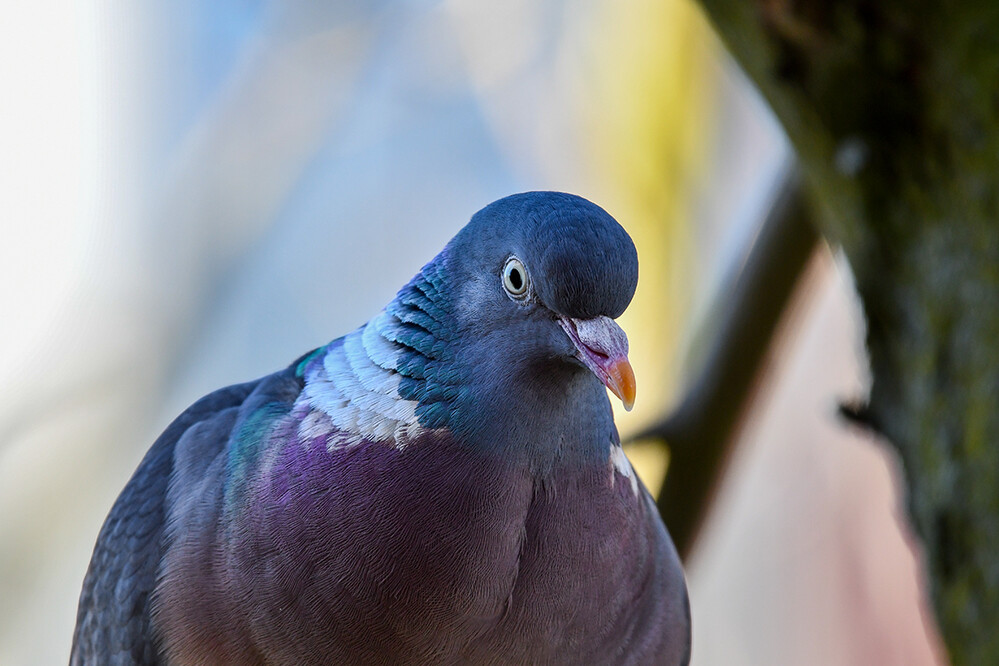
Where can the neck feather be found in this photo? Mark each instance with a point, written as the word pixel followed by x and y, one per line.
pixel 385 381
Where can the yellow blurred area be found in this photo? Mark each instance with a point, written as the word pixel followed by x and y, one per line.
pixel 651 460
pixel 648 121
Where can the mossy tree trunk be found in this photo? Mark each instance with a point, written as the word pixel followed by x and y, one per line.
pixel 893 108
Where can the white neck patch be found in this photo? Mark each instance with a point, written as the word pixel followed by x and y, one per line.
pixel 620 463
pixel 356 391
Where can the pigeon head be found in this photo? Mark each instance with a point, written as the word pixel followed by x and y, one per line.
pixel 537 280
pixel 580 262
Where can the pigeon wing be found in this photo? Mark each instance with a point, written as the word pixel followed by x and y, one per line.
pixel 113 620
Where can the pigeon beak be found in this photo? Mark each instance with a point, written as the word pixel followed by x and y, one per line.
pixel 621 380
pixel 602 346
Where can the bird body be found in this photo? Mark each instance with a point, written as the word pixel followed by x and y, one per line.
pixel 443 485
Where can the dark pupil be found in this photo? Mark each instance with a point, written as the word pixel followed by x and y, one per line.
pixel 515 279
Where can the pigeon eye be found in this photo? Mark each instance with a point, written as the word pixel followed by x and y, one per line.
pixel 515 279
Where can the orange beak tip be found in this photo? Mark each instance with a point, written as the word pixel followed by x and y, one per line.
pixel 621 380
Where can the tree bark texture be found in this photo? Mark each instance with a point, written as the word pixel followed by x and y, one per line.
pixel 893 108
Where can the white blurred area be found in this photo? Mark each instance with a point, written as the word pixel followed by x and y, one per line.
pixel 196 193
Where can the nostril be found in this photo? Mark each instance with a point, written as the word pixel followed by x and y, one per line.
pixel 595 352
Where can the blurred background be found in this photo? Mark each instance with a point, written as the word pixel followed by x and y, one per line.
pixel 196 193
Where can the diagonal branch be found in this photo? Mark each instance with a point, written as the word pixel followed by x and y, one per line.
pixel 700 431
